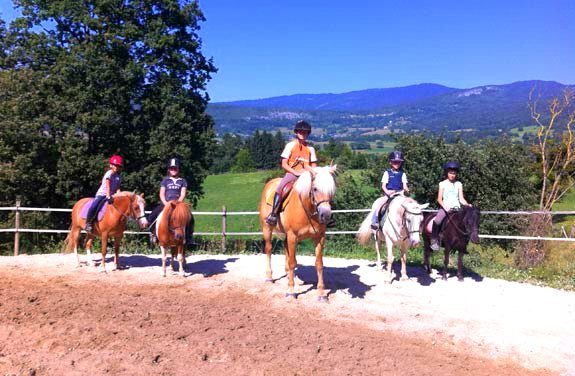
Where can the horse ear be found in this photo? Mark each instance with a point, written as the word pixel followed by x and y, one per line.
pixel 142 195
pixel 332 169
pixel 423 206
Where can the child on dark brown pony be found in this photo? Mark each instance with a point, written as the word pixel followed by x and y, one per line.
pixel 449 197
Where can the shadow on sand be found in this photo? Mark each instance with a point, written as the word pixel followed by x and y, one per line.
pixel 207 268
pixel 335 279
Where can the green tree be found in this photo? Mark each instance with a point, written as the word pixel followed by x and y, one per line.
pixel 105 76
pixel 244 162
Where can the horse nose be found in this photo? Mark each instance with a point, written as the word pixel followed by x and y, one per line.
pixel 324 214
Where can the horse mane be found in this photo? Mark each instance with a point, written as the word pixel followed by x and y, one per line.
pixel 181 214
pixel 323 180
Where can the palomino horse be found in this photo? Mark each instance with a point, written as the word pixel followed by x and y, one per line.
pixel 125 205
pixel 458 228
pixel 171 232
pixel 400 224
pixel 306 211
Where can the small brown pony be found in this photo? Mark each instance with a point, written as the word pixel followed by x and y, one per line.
pixel 171 231
pixel 126 205
pixel 307 209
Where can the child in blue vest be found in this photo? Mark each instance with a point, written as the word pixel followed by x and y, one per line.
pixel 172 187
pixel 393 181
pixel 110 185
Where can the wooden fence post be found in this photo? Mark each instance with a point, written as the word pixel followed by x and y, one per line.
pixel 17 227
pixel 224 216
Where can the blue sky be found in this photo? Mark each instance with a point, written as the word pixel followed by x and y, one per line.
pixel 266 48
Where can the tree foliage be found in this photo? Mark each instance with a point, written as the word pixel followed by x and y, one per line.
pixel 81 80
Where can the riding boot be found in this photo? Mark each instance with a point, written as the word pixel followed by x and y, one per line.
pixel 272 218
pixel 435 236
pixel 153 237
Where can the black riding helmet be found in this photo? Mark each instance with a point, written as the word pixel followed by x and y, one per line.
pixel 396 155
pixel 302 125
pixel 174 162
pixel 451 165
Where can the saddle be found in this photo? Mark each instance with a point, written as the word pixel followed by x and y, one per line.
pixel 284 194
pixel 383 209
pixel 101 210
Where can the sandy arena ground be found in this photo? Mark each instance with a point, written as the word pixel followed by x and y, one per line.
pixel 56 319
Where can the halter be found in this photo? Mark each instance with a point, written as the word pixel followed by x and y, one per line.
pixel 131 215
pixel 403 224
pixel 315 204
pixel 457 228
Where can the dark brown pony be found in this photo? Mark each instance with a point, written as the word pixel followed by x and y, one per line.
pixel 171 231
pixel 458 228
pixel 126 205
pixel 306 211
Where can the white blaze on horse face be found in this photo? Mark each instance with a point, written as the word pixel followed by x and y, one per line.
pixel 142 221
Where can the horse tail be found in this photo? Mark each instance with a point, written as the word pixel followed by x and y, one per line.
pixel 68 247
pixel 365 231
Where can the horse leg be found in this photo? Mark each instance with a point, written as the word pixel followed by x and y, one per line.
pixel 426 251
pixel 389 246
pixel 404 249
pixel 460 266
pixel 173 258
pixel 319 243
pixel 181 259
pixel 444 273
pixel 88 247
pixel 378 262
pixel 291 263
pixel 268 252
pixel 117 241
pixel 163 259
pixel 75 239
pixel 104 251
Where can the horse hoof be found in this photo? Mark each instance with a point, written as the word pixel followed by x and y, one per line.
pixel 269 280
pixel 460 279
pixel 291 295
pixel 404 279
pixel 444 277
pixel 322 299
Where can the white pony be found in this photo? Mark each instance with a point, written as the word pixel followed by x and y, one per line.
pixel 400 224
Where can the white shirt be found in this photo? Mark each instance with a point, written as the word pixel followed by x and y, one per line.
pixel 451 194
pixel 385 178
pixel 290 145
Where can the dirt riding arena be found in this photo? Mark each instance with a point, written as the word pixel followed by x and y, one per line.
pixel 56 319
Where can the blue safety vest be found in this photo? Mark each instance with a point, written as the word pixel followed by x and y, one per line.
pixel 394 182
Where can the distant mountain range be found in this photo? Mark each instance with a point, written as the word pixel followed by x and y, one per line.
pixel 476 112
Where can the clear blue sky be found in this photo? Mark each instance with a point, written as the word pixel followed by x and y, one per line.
pixel 272 47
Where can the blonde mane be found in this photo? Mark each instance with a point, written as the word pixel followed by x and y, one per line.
pixel 323 181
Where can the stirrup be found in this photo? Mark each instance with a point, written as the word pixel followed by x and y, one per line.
pixel 88 228
pixel 153 238
pixel 434 245
pixel 375 226
pixel 272 219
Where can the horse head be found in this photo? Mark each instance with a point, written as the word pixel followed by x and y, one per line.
pixel 138 204
pixel 471 222
pixel 178 217
pixel 413 218
pixel 320 189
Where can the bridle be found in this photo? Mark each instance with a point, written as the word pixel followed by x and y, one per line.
pixel 413 229
pixel 315 204
pixel 457 228
pixel 132 214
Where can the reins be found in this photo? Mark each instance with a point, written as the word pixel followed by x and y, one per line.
pixel 403 223
pixel 315 204
pixel 457 228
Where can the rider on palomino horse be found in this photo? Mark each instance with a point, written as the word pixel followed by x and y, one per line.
pixel 297 157
pixel 110 185
pixel 449 197
pixel 173 187
pixel 393 181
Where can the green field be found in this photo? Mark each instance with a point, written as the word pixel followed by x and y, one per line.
pixel 238 192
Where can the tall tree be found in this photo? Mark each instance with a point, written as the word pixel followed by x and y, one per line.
pixel 114 75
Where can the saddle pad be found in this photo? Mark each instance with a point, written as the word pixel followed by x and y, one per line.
pixel 429 226
pixel 86 207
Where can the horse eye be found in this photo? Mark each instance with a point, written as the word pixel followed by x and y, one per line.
pixel 315 189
